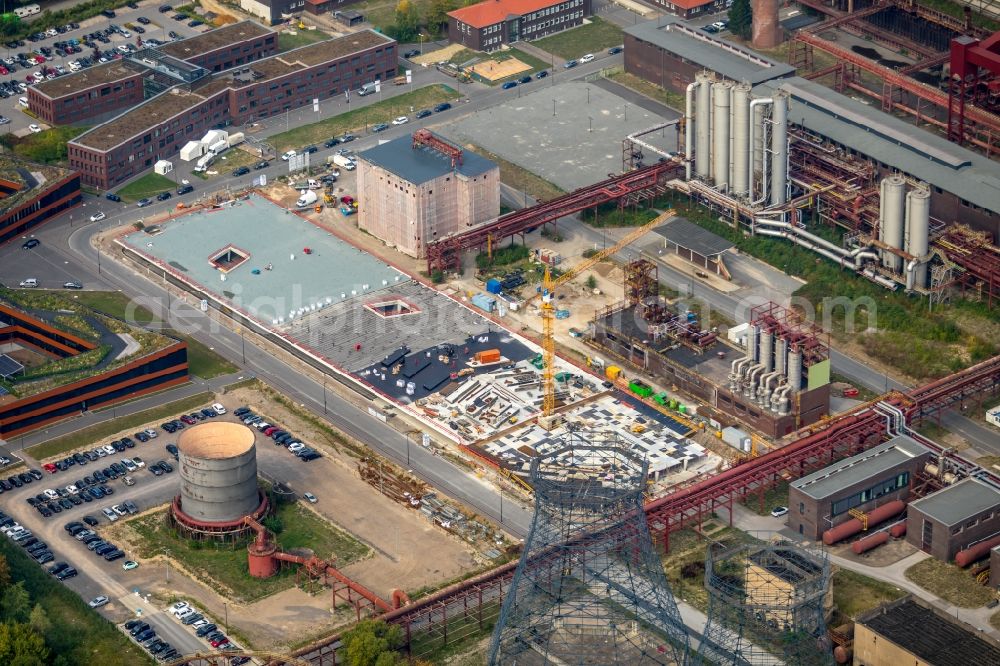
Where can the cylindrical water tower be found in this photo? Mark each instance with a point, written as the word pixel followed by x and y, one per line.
pixel 891 206
pixel 721 92
pixel 218 472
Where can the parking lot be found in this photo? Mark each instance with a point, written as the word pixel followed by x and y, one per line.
pixel 159 28
pixel 143 593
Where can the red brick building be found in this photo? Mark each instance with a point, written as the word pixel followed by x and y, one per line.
pixel 487 26
pixel 27 202
pixel 129 144
pixel 103 91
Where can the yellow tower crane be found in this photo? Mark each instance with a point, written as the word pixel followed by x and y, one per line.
pixel 549 285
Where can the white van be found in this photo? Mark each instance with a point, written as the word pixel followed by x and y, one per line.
pixel 30 282
pixel 23 102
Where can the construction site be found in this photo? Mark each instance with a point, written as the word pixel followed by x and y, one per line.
pixel 904 193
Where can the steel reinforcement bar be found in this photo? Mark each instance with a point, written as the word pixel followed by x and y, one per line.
pixel 472 605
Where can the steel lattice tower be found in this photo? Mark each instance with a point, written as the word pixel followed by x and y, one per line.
pixel 766 606
pixel 589 589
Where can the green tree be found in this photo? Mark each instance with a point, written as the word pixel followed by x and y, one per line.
pixel 20 645
pixel 39 620
pixel 741 18
pixel 4 572
pixel 15 604
pixel 407 20
pixel 9 24
pixel 437 14
pixel 591 282
pixel 372 643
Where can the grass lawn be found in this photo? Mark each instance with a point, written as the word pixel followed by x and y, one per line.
pixel 685 563
pixel 651 90
pixel 202 361
pixel 91 434
pixel 590 38
pixel 609 215
pixel 147 186
pixel 520 178
pixel 777 496
pixel 358 120
pixel 854 593
pixel 287 42
pixel 226 566
pixel 77 634
pixel 47 146
pixel 949 582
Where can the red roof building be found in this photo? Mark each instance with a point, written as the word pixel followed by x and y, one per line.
pixel 488 25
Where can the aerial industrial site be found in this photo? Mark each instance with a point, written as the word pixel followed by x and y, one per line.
pixel 521 332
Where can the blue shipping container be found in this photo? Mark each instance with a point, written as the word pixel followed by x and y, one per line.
pixel 484 302
pixel 493 286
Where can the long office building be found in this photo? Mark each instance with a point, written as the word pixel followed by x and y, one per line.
pixel 133 141
pixel 103 91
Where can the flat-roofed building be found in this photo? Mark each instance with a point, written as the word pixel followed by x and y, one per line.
pixel 91 93
pixel 101 92
pixel 909 631
pixel 669 52
pixel 412 193
pixel 954 518
pixel 31 194
pixel 823 499
pixel 226 47
pixel 132 142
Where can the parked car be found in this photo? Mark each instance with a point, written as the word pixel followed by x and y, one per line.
pixel 569 64
pixel 263 164
pixel 779 511
pixel 380 127
pixel 423 113
pixel 615 50
pixel 401 120
pixel 411 53
pixel 589 57
pixel 142 203
pixel 443 106
pixel 163 196
pixel 240 171
pixel 509 85
pixel 111 196
pixel 30 244
pixel 184 189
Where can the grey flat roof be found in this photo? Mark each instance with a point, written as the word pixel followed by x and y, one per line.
pixel 954 504
pixel 880 136
pixel 733 62
pixel 692 237
pixel 869 464
pixel 419 165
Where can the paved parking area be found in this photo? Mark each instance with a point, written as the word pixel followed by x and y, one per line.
pixel 159 28
pixel 569 134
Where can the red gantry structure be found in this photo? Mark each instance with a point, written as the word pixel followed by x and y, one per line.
pixel 466 608
pixel 426 138
pixel 628 188
pixel 974 64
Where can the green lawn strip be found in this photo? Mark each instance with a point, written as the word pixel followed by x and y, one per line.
pixel 590 38
pixel 892 327
pixel 520 178
pixel 78 635
pixel 855 593
pixel 287 42
pixel 668 97
pixel 112 303
pixel 146 187
pixel 357 120
pixel 225 565
pixel 94 433
pixel 47 146
pixel 202 361
pixel 954 585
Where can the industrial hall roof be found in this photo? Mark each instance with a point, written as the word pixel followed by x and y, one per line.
pixel 954 504
pixel 866 465
pixel 420 164
pixel 491 12
pixel 930 636
pixel 676 36
pixel 690 236
pixel 916 152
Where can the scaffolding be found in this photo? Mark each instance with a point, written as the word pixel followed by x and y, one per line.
pixel 641 281
pixel 589 589
pixel 766 605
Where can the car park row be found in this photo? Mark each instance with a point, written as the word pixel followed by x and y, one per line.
pixel 280 437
